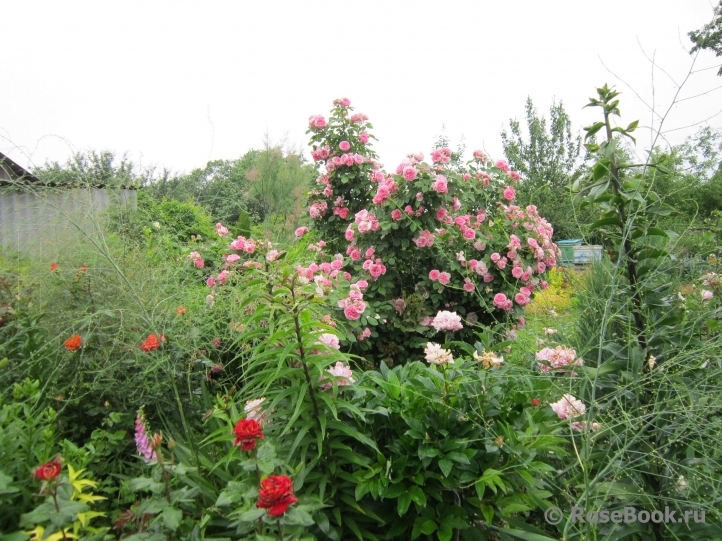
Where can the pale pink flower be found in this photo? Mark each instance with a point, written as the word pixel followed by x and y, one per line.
pixel 447 321
pixel 365 334
pixel 344 145
pixel 434 275
pixel 199 263
pixel 272 255
pixel 364 137
pixel 343 373
pixel 503 165
pixel 211 281
pixel 569 407
pixel 410 172
pixel 707 295
pixel 444 278
pixel 222 231
pixel 330 340
pixel 222 277
pixel 396 215
pixel 232 258
pixel 558 357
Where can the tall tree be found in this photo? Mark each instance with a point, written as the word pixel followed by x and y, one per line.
pixel 710 35
pixel 548 160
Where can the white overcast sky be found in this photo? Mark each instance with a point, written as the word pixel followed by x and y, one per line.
pixel 176 83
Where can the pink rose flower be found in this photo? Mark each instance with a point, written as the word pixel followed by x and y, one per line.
pixel 344 145
pixel 434 275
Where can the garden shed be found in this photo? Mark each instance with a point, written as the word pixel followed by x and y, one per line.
pixel 34 214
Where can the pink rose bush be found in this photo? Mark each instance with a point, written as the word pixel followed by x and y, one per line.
pixel 559 357
pixel 418 218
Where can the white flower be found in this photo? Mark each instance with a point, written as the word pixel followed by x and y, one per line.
pixel 488 359
pixel 330 340
pixel 156 225
pixel 707 295
pixel 447 321
pixel 435 354
pixel 549 331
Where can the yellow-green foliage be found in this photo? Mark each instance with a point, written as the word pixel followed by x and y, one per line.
pixel 558 296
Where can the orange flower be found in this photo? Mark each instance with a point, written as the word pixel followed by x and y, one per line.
pixel 151 343
pixel 180 310
pixel 83 268
pixel 73 343
pixel 53 267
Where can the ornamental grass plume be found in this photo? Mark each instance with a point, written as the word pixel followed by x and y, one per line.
pixel 142 442
pixel 276 495
pixel 436 355
pixel 247 431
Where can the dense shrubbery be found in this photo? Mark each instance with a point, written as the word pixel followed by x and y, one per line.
pixel 177 380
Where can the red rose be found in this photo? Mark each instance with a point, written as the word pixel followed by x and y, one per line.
pixel 53 267
pixel 535 402
pixel 276 494
pixel 73 343
pixel 247 431
pixel 152 343
pixel 49 470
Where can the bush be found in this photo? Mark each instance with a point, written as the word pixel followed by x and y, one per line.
pixel 451 237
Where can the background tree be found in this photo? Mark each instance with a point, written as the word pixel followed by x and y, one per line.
pixel 710 35
pixel 548 160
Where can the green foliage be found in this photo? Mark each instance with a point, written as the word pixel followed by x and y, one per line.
pixel 28 440
pixel 94 169
pixel 709 37
pixel 548 161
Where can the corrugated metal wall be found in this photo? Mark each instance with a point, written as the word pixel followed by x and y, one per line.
pixel 33 221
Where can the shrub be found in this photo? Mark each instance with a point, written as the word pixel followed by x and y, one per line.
pixel 428 238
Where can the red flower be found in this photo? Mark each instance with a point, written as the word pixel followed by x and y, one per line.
pixel 49 470
pixel 73 343
pixel 247 431
pixel 276 494
pixel 152 343
pixel 535 402
pixel 53 267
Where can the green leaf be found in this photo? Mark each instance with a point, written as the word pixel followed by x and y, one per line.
pixel 172 518
pixel 403 503
pixel 594 128
pixel 526 536
pixel 612 220
pixel 445 466
pixel 417 496
pixel 251 515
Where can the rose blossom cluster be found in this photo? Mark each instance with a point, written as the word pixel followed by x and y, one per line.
pixel 243 245
pixel 197 259
pixel 425 239
pixel 221 230
pixel 348 159
pixel 318 209
pixel 441 155
pixel 353 305
pixel 385 189
pixel 443 277
pixel 316 122
pixel 558 357
pixel 375 268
